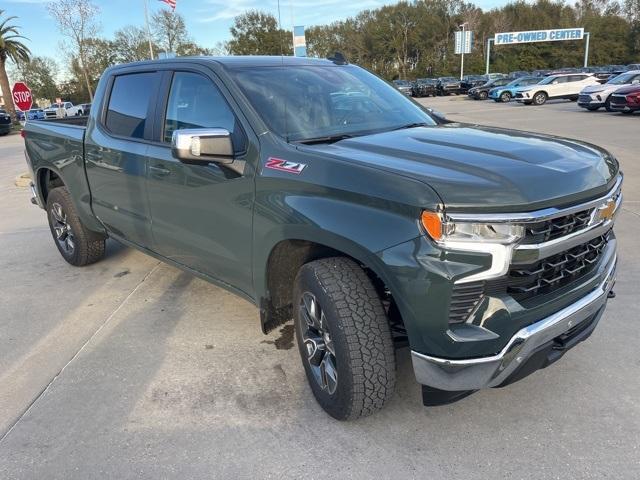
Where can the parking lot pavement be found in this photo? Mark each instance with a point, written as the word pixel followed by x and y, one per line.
pixel 132 369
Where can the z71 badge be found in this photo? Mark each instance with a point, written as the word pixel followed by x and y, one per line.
pixel 285 166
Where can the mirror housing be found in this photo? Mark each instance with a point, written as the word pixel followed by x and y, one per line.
pixel 202 146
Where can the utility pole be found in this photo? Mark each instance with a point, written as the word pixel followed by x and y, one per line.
pixel 146 19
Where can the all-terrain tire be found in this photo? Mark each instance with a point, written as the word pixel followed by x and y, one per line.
pixel 77 245
pixel 360 336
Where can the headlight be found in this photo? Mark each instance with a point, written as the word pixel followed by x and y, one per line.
pixel 444 231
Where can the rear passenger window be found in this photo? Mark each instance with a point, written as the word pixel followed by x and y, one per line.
pixel 129 102
pixel 195 102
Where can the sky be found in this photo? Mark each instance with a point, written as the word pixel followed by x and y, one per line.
pixel 208 21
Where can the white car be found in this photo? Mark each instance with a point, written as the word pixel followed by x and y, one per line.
pixel 555 86
pixel 63 109
pixel 595 96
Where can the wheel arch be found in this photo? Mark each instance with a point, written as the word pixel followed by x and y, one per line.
pixel 274 281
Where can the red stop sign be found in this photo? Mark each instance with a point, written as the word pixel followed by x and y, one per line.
pixel 22 96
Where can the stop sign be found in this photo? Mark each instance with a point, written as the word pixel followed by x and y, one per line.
pixel 22 96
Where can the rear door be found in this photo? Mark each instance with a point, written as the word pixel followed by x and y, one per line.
pixel 202 214
pixel 116 155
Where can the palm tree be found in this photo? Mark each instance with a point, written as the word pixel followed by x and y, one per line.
pixel 10 48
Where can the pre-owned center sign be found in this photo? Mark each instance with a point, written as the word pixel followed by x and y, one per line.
pixel 510 38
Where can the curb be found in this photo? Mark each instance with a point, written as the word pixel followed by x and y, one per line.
pixel 23 180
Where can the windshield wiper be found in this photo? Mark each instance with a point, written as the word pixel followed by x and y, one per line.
pixel 326 139
pixel 412 125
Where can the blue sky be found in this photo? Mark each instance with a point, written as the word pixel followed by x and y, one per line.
pixel 208 21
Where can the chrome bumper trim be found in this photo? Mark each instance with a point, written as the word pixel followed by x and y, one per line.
pixel 484 372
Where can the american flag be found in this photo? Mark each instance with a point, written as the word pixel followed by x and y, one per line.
pixel 171 3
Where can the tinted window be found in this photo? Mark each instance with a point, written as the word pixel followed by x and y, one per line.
pixel 195 102
pixel 576 78
pixel 128 103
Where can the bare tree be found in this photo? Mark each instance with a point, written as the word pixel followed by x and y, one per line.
pixel 76 20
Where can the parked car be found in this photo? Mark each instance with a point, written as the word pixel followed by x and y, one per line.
pixel 471 81
pixel 85 108
pixel 506 92
pixel 482 92
pixel 541 73
pixel 567 86
pixel 64 109
pixel 633 66
pixel 404 86
pixel 626 99
pixel 5 122
pixel 519 74
pixel 593 97
pixel 425 87
pixel 368 228
pixel 36 114
pixel 449 85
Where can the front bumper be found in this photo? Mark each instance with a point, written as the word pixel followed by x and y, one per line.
pixel 497 370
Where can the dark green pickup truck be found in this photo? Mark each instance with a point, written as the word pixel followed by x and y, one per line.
pixel 321 194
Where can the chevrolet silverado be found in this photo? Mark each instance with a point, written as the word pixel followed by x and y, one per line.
pixel 323 195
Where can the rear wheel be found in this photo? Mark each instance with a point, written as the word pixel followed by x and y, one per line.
pixel 505 97
pixel 76 244
pixel 540 98
pixel 344 338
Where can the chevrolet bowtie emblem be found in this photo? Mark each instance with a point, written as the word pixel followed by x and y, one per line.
pixel 605 211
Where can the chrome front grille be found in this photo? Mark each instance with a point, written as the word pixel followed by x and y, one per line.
pixel 526 281
pixel 557 227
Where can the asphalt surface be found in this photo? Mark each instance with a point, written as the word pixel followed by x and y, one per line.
pixel 132 369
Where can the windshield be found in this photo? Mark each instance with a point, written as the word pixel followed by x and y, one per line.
pixel 307 102
pixel 622 79
pixel 56 105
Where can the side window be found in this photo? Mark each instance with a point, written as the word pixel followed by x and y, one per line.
pixel 129 102
pixel 195 102
pixel 561 80
pixel 576 78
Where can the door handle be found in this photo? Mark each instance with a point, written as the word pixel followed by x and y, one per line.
pixel 160 171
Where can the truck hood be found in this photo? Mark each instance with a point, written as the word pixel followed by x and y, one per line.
pixel 484 168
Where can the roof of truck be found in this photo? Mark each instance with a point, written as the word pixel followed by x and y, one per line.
pixel 244 61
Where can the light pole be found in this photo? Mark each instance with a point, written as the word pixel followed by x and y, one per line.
pixel 462 47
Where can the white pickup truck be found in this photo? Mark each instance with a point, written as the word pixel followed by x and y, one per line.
pixel 62 109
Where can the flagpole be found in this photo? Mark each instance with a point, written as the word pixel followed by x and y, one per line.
pixel 146 19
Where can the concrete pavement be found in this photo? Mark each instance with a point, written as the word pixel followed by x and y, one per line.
pixel 133 369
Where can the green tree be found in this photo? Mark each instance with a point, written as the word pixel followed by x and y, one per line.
pixel 132 45
pixel 76 19
pixel 11 48
pixel 40 74
pixel 258 33
pixel 99 55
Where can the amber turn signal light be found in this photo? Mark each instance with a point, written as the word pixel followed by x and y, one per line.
pixel 432 223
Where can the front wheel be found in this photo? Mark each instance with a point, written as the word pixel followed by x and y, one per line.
pixel 505 97
pixel 483 95
pixel 540 98
pixel 76 244
pixel 607 105
pixel 344 338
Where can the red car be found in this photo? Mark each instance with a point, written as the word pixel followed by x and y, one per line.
pixel 626 99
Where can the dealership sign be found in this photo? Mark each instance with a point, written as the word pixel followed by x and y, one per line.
pixel 510 38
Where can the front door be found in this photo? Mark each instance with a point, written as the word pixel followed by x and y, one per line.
pixel 202 214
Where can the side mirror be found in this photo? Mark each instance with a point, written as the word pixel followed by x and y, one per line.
pixel 438 116
pixel 202 146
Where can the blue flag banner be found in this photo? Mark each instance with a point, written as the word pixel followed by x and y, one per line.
pixel 299 41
